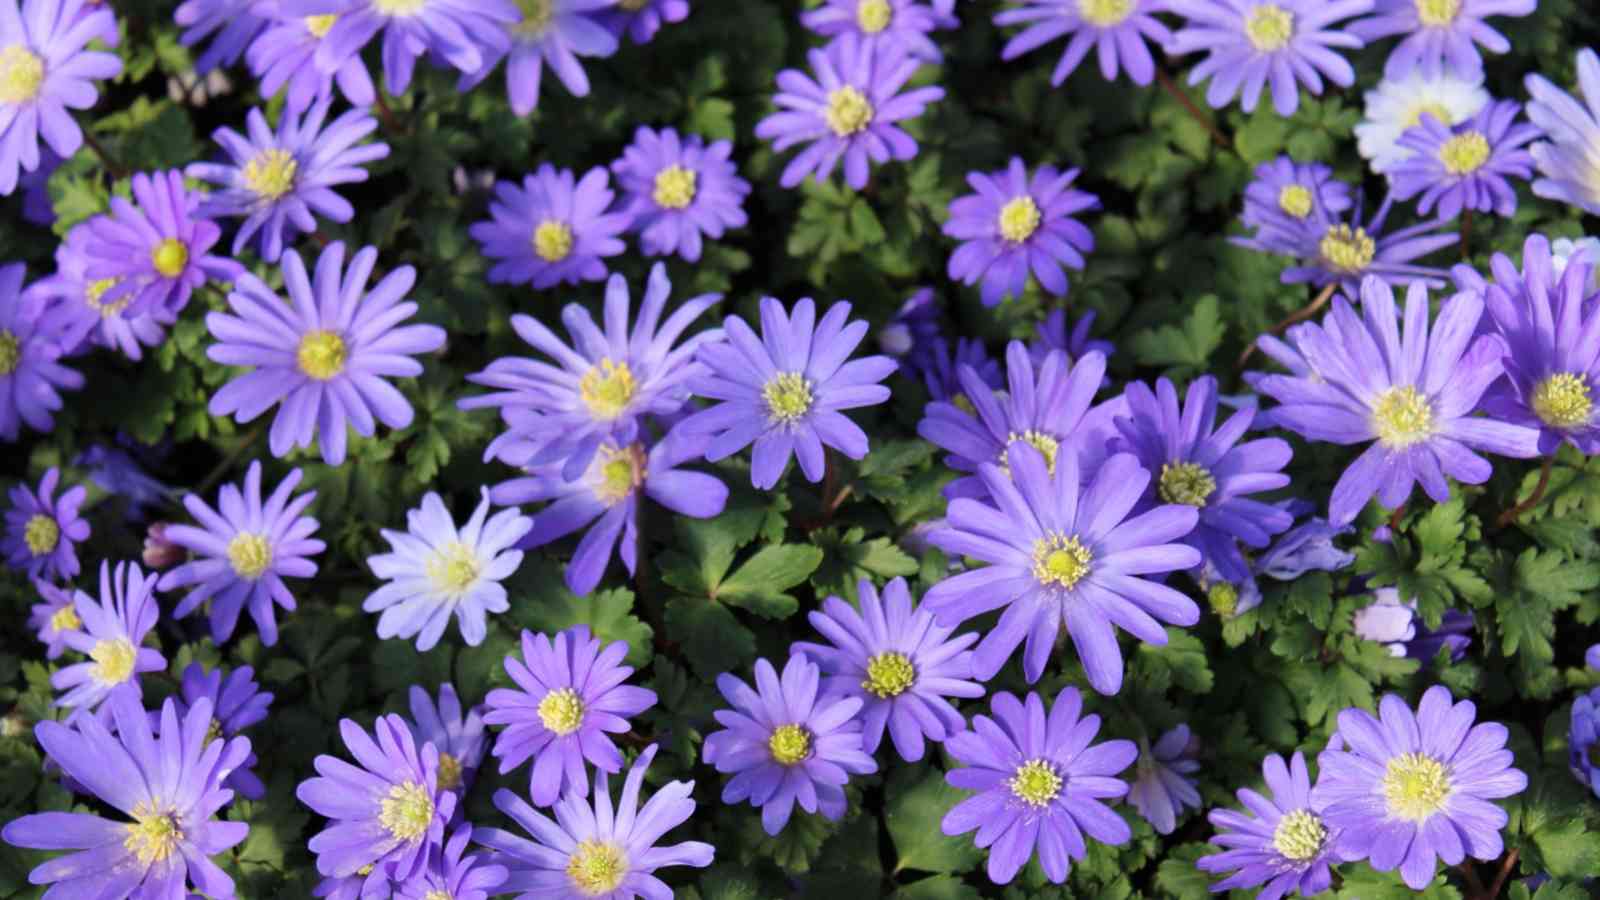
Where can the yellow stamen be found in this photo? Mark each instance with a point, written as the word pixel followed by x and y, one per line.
pixel 1347 250
pixel 449 772
pixel 789 744
pixel 607 388
pixel 1269 27
pixel 674 188
pixel 1035 783
pixel 848 111
pixel 1105 13
pixel 113 661
pixel 1295 199
pixel 1402 417
pixel 1563 400
pixel 1415 786
pixel 1060 560
pixel 552 240
pixel 561 711
pixel 889 674
pixel 620 472
pixel 452 569
pixel 1431 108
pixel 170 258
pixel 536 17
pixel 1465 153
pixel 250 555
pixel 319 26
pixel 1047 446
pixel 399 7
pixel 271 174
pixel 1437 13
pixel 1187 483
pixel 873 16
pixel 596 867
pixel 65 619
pixel 1299 836
pixel 10 352
pixel 407 812
pixel 41 534
pixel 153 835
pixel 1223 597
pixel 322 354
pixel 787 396
pixel 1019 219
pixel 97 289
pixel 21 75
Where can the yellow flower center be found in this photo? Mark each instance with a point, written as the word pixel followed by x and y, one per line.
pixel 1415 786
pixel 113 661
pixel 1187 483
pixel 607 388
pixel 1038 440
pixel 1060 560
pixel 10 352
pixel 789 744
pixel 249 554
pixel 1436 13
pixel 561 711
pixel 319 26
pixel 152 835
pixel 536 17
pixel 271 174
pixel 322 354
pixel 621 472
pixel 1348 250
pixel 552 240
pixel 452 568
pixel 889 674
pixel 1223 597
pixel 1269 27
pixel 596 867
pixel 1402 417
pixel 449 772
pixel 1465 153
pixel 399 7
pixel 41 534
pixel 66 619
pixel 21 74
pixel 848 111
pixel 407 812
pixel 633 5
pixel 1019 219
pixel 1299 836
pixel 1429 108
pixel 788 397
pixel 1036 782
pixel 1563 401
pixel 674 187
pixel 96 290
pixel 170 257
pixel 1105 13
pixel 436 894
pixel 213 732
pixel 873 16
pixel 1295 199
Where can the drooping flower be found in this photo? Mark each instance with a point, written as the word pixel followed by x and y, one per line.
pixel 1281 203
pixel 1397 626
pixel 1564 251
pixel 1075 342
pixel 42 529
pixel 552 230
pixel 1398 105
pixel 909 335
pixel 463 33
pixel 785 742
pixel 454 874
pixel 284 54
pixel 1041 781
pixel 1467 167
pixel 1286 845
pixel 1119 31
pixel 898 662
pixel 1583 740
pixel 30 376
pixel 167 781
pixel 1161 787
pixel 1569 156
pixel 54 619
pixel 846 110
pixel 122 474
pixel 641 19
pixel 1408 389
pixel 941 371
pixel 1303 548
pixel 1416 787
pixel 280 182
pixel 324 355
pixel 570 697
pixel 460 740
pixel 113 628
pixel 231 24
pixel 595 849
pixel 555 32
pixel 1015 224
pixel 1439 34
pixel 236 702
pixel 677 189
pixel 82 315
pixel 907 24
pixel 785 390
pixel 1251 44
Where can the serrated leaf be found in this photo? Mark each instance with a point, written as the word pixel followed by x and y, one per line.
pixel 1186 348
pixel 709 635
pixel 759 584
pixel 609 614
pixel 1181 663
pixel 913 816
pixel 1178 876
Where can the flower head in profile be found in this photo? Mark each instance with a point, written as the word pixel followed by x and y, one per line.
pixel 55 619
pixel 677 189
pixel 120 472
pixel 641 19
pixel 1440 35
pixel 1119 31
pixel 461 739
pixel 909 335
pixel 785 742
pixel 1283 200
pixel 1075 341
pixel 1569 156
pixel 284 55
pixel 1396 624
pixel 847 109
pixel 30 375
pixel 236 703
pixel 230 24
pixel 82 315
pixel 569 698
pixel 1016 223
pixel 1416 787
pixel 1345 250
pixel 1041 783
pixel 435 571
pixel 243 550
pixel 1564 251
pixel 1469 166
pixel 113 630
pixel 1583 738
pixel 907 24
pixel 1396 106
pixel 454 874
pixel 1306 547
pixel 42 529
pixel 462 33
pixel 165 777
pixel 552 230
pixel 1161 787
pixel 553 32
pixel 1286 844
pixel 594 848
pixel 941 371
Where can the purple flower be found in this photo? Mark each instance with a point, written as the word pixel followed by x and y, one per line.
pixel 30 377
pixel 1053 334
pixel 1015 224
pixel 783 743
pixel 1117 30
pixel 595 849
pixel 898 662
pixel 454 874
pixel 941 371
pixel 1567 157
pixel 1250 43
pixel 1061 553
pixel 54 619
pixel 906 24
pixel 555 32
pixel 1280 203
pixel 461 741
pixel 44 72
pixel 1466 167
pixel 42 529
pixel 785 391
pixel 234 24
pixel 278 183
pixel 1408 392
pixel 677 189
pixel 551 230
pixel 1287 844
pixel 1394 624
pixel 285 54
pixel 236 703
pixel 847 109
pixel 570 697
pixel 168 782
pixel 121 474
pixel 244 550
pixel 81 313
pixel 463 33
pixel 1161 786
pixel 1583 740
pixel 1341 251
pixel 1591 658
pixel 37 206
pixel 641 19
pixel 1415 787
pixel 910 333
pixel 112 630
pixel 324 355
pixel 1439 34
pixel 1303 548
pixel 1040 781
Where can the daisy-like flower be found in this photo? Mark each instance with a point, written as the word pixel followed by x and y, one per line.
pixel 1200 464
pixel 55 618
pixel 601 388
pixel 236 702
pixel 1468 167
pixel 1583 740
pixel 30 376
pixel 1054 334
pixel 905 23
pixel 785 743
pixel 785 391
pixel 323 355
pixel 244 549
pixel 898 662
pixel 847 109
pixel 641 19
pixel 1398 105
pixel 1251 44
pixel 434 571
pixel 1408 389
pixel 1286 844
pixel 280 182
pixel 284 55
pixel 1346 251
pixel 463 33
pixel 1440 35
pixel 569 698
pixel 231 25
pixel 454 874
pixel 1161 786
pixel 83 316
pixel 113 628
pixel 595 849
pixel 460 740
pixel 1060 553
pixel 385 813
pixel 1041 781
pixel 555 32
pixel 44 73
pixel 677 189
pixel 1281 203
pixel 1414 788
pixel 167 780
pixel 1569 156
pixel 42 529
pixel 1119 31
pixel 1015 224
pixel 552 230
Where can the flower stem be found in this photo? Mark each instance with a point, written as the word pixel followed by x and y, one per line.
pixel 1466 235
pixel 112 166
pixel 222 468
pixel 1171 87
pixel 1506 866
pixel 1512 514
pixel 1300 315
pixel 390 121
pixel 1474 885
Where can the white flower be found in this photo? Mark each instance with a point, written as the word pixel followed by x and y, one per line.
pixel 1563 250
pixel 1395 106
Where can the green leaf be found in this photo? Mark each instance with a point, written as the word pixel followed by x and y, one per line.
pixel 913 815
pixel 1178 876
pixel 1570 848
pixel 939 887
pixel 607 613
pixel 1181 663
pixel 709 634
pixel 1187 348
pixel 847 560
pixel 1362 883
pixel 760 584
